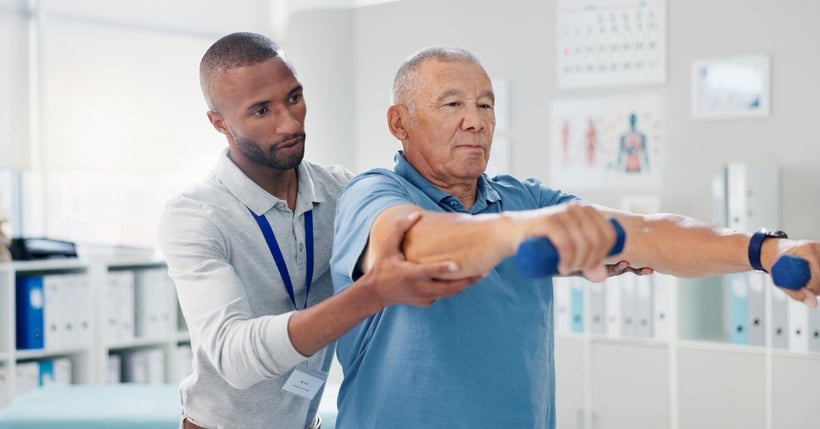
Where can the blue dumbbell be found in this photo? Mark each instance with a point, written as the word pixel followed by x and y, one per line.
pixel 538 257
pixel 791 272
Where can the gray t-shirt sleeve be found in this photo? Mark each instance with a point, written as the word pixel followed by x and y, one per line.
pixel 244 349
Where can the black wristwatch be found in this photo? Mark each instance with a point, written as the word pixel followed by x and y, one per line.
pixel 756 244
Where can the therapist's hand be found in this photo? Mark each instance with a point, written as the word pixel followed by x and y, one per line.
pixel 399 281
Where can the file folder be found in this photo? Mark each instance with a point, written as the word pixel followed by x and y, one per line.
pixel 597 304
pixel 152 316
pixel 664 287
pixel 27 377
pixel 114 373
pixel 64 310
pixel 643 306
pixel 113 319
pixel 62 370
pixel 30 303
pixel 814 330
pixel 756 322
pixel 577 305
pixel 4 386
pixel 798 315
pixel 738 291
pixel 57 315
pixel 83 309
pixel 46 373
pixel 614 310
pixel 561 293
pixel 780 325
pixel 185 362
pixel 630 305
pixel 127 307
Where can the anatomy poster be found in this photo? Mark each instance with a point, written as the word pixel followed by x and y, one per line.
pixel 611 143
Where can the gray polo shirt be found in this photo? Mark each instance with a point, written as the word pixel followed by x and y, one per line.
pixel 233 297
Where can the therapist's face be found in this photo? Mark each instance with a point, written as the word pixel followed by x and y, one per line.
pixel 261 110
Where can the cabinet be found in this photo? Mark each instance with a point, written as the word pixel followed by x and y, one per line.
pixel 721 387
pixel 693 372
pixel 570 382
pixel 794 384
pixel 625 374
pixel 157 349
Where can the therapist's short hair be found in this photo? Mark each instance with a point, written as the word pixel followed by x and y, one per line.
pixel 237 50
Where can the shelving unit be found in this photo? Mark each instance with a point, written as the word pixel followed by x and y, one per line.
pixel 694 377
pixel 89 362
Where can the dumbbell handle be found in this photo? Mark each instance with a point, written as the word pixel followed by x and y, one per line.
pixel 791 272
pixel 538 257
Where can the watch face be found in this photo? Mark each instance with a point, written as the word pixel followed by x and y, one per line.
pixel 776 234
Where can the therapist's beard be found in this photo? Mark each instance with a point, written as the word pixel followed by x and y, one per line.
pixel 270 156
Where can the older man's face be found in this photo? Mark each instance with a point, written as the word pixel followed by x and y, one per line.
pixel 452 122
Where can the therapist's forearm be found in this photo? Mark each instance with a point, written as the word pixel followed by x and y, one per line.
pixel 315 327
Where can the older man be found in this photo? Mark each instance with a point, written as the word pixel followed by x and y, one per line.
pixel 484 358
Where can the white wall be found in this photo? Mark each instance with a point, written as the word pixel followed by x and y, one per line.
pixel 320 44
pixel 516 40
pixel 14 83
pixel 118 112
pixel 117 119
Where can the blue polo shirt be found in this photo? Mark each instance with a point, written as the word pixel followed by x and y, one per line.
pixel 480 359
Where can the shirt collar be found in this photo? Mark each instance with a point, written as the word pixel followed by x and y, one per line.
pixel 258 199
pixel 486 193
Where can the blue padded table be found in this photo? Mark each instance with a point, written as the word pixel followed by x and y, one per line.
pixel 95 406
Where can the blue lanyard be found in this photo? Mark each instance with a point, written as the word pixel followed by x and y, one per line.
pixel 267 231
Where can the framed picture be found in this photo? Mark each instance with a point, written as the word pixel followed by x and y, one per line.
pixel 612 143
pixel 732 87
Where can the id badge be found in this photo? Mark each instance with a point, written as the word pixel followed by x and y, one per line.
pixel 305 381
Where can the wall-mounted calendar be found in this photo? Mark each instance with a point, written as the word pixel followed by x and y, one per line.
pixel 611 42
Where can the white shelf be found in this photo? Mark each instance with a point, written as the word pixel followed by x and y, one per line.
pixel 42 354
pixel 64 264
pixel 133 263
pixel 139 343
pixel 598 375
pixel 90 362
pixel 183 337
pixel 797 355
pixel 721 347
pixel 635 341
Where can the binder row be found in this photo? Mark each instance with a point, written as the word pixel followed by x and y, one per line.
pixel 4 384
pixel 794 326
pixel 53 312
pixel 185 361
pixel 622 306
pixel 147 366
pixel 31 375
pixel 138 305
pixel 638 306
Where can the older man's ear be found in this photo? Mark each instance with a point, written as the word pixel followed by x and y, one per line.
pixel 396 117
